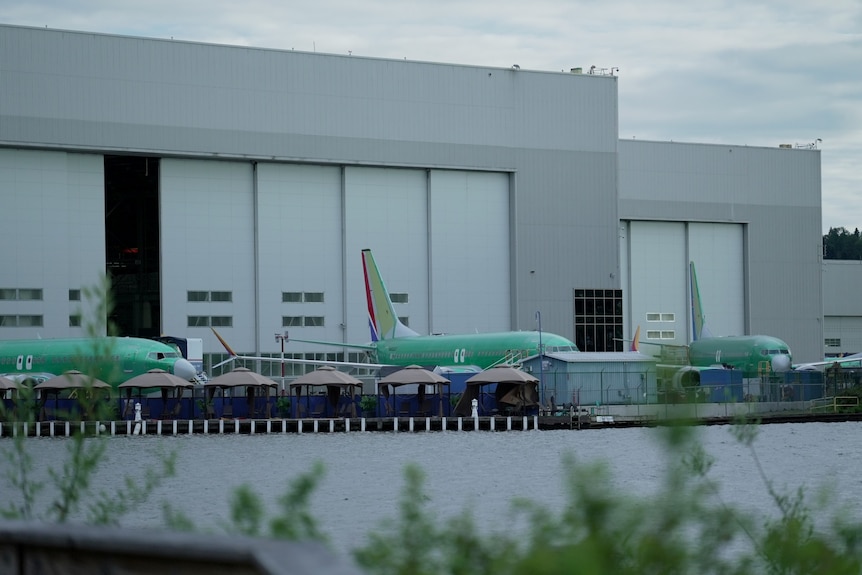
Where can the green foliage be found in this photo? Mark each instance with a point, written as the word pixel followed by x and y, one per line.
pixel 68 491
pixel 368 403
pixel 840 244
pixel 282 405
pixel 683 528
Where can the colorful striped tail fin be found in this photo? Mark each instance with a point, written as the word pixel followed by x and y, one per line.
pixel 383 321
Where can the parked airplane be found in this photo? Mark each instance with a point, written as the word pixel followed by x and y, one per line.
pixel 40 359
pixel 754 355
pixel 395 344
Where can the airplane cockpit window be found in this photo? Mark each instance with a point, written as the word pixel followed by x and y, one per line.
pixel 162 355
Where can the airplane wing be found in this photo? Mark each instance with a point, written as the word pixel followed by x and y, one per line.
pixel 334 343
pixel 234 356
pixel 854 360
pixel 303 362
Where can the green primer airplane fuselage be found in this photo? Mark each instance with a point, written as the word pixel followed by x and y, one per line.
pixel 754 355
pixel 481 349
pixel 111 359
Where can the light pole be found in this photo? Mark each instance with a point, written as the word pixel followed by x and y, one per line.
pixel 541 359
pixel 282 337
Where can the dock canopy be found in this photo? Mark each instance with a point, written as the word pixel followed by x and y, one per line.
pixel 75 381
pixel 416 374
pixel 338 385
pixel 516 389
pixel 155 379
pixel 239 377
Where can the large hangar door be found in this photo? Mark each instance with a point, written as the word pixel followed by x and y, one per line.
pixel 300 244
pixel 470 280
pixel 717 253
pixel 658 282
pixel 208 258
pixel 386 211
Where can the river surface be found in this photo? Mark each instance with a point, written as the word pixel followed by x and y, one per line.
pixel 482 471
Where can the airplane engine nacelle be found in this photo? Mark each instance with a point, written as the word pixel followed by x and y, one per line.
pixel 30 379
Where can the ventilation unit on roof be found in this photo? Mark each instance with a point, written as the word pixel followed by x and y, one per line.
pixel 577 70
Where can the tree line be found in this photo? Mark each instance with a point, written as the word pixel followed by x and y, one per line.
pixel 841 244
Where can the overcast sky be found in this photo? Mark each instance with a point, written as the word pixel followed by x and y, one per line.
pixel 755 72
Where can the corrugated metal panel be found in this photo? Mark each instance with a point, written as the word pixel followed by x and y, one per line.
pixel 233 100
pixel 841 284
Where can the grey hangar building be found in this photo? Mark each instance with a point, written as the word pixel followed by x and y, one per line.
pixel 234 187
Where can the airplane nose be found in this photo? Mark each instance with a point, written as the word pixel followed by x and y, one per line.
pixel 184 369
pixel 780 363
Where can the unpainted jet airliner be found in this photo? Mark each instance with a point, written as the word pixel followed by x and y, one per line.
pixel 113 359
pixel 395 344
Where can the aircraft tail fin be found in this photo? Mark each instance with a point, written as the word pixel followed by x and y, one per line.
pixel 382 320
pixel 636 340
pixel 698 320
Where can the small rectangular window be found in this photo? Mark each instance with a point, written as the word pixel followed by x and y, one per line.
pixel 291 321
pixel 198 296
pixel 313 297
pixel 653 317
pixel 313 321
pixel 30 321
pixel 398 297
pixel 669 334
pixel 833 342
pixel 221 321
pixel 198 321
pixel 653 334
pixel 291 296
pixel 669 317
pixel 74 295
pixel 8 321
pixel 8 294
pixel 30 294
pixel 221 296
pixel 74 320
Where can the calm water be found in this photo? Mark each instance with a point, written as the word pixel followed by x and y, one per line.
pixel 479 470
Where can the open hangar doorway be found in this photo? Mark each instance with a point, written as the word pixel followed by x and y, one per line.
pixel 132 245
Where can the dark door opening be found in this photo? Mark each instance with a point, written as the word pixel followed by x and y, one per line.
pixel 132 243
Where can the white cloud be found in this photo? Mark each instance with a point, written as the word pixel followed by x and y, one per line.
pixel 718 71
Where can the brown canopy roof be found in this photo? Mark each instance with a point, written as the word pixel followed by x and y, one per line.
pixel 72 380
pixel 413 374
pixel 326 375
pixel 502 374
pixel 156 378
pixel 240 376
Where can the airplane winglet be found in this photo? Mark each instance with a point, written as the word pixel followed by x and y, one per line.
pixel 636 340
pixel 227 347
